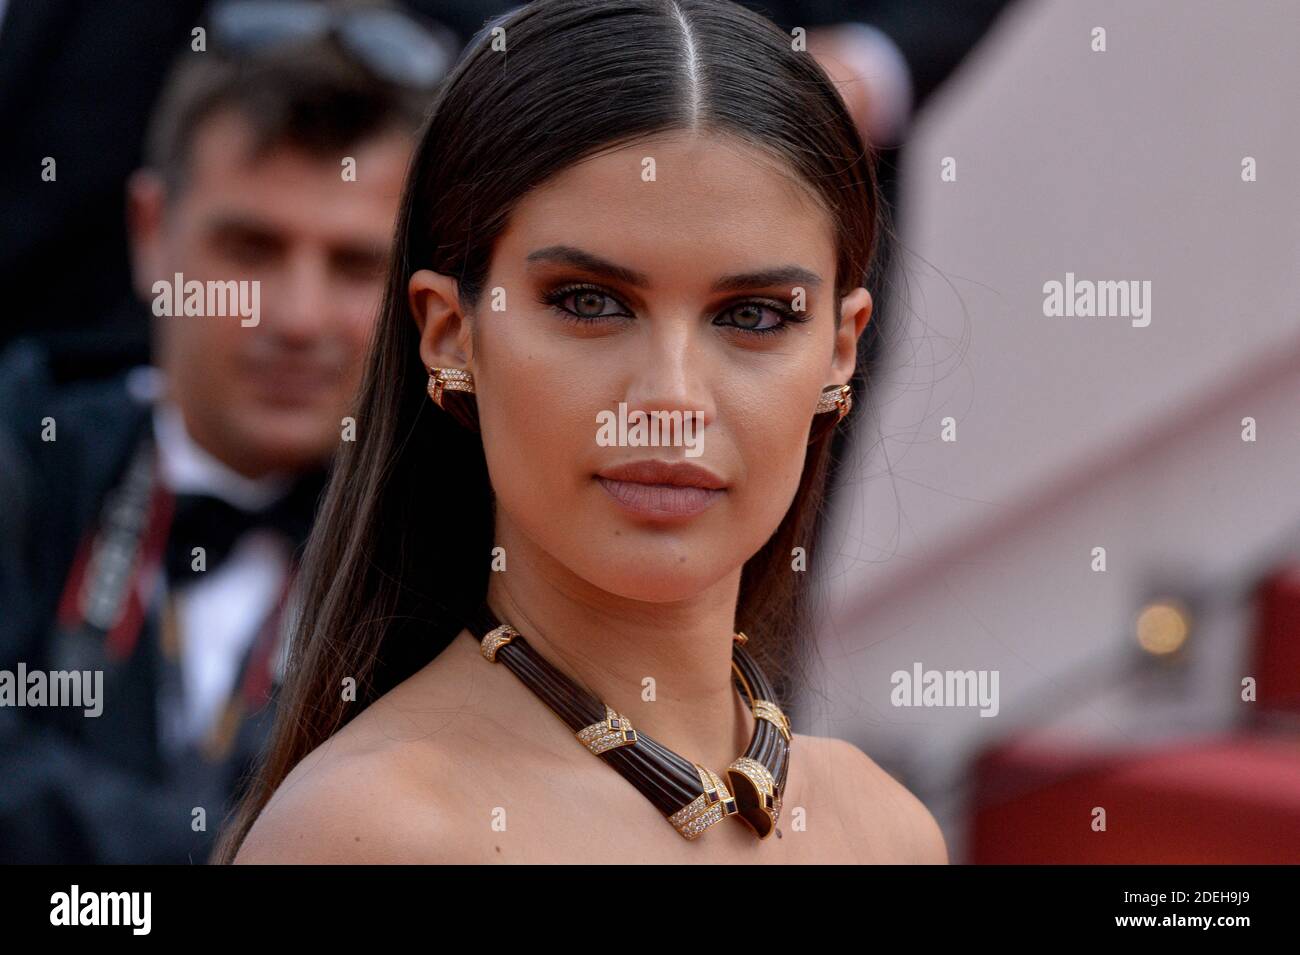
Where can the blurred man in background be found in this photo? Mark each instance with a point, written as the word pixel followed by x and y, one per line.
pixel 153 519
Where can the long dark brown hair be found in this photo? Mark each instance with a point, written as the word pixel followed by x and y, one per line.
pixel 386 585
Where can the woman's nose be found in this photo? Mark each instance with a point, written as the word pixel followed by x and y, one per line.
pixel 672 373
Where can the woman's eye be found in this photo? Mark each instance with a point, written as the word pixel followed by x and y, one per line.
pixel 584 304
pixel 592 305
pixel 748 316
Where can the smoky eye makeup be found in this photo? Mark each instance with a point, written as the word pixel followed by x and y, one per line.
pixel 573 303
pixel 588 304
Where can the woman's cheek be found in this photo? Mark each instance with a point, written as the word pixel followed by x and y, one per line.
pixel 776 470
pixel 537 453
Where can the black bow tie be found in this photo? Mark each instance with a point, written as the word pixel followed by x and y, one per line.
pixel 201 520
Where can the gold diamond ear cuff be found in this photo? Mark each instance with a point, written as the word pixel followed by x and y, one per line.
pixel 449 379
pixel 835 397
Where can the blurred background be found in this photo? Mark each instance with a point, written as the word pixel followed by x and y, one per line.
pixel 1163 689
pixel 1094 517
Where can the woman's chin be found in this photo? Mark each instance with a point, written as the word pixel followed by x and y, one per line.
pixel 652 581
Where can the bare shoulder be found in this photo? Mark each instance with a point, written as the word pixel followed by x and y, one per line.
pixel 345 808
pixel 363 796
pixel 384 788
pixel 912 835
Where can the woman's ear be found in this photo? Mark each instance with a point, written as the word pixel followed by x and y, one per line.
pixel 445 339
pixel 855 312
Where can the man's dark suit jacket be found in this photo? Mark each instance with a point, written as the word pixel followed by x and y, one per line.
pixel 77 788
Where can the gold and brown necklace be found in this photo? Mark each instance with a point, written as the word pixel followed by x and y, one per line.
pixel 691 797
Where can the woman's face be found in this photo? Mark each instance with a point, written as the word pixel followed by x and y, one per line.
pixel 621 281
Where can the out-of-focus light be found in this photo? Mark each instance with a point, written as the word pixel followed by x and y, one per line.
pixel 1163 627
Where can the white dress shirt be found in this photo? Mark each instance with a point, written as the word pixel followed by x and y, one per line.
pixel 220 614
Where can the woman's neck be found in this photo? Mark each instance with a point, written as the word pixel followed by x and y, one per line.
pixel 614 647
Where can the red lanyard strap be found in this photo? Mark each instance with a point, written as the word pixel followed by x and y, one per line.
pixel 122 550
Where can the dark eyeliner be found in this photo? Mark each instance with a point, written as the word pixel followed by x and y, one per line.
pixel 789 316
pixel 554 297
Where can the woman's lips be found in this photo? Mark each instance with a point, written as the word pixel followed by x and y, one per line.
pixel 661 490
pixel 660 500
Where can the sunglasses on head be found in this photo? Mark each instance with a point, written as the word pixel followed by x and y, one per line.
pixel 391 44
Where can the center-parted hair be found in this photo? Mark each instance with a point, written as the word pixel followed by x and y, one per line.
pixel 401 550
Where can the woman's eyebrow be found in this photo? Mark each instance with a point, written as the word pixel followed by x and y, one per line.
pixel 568 255
pixel 780 275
